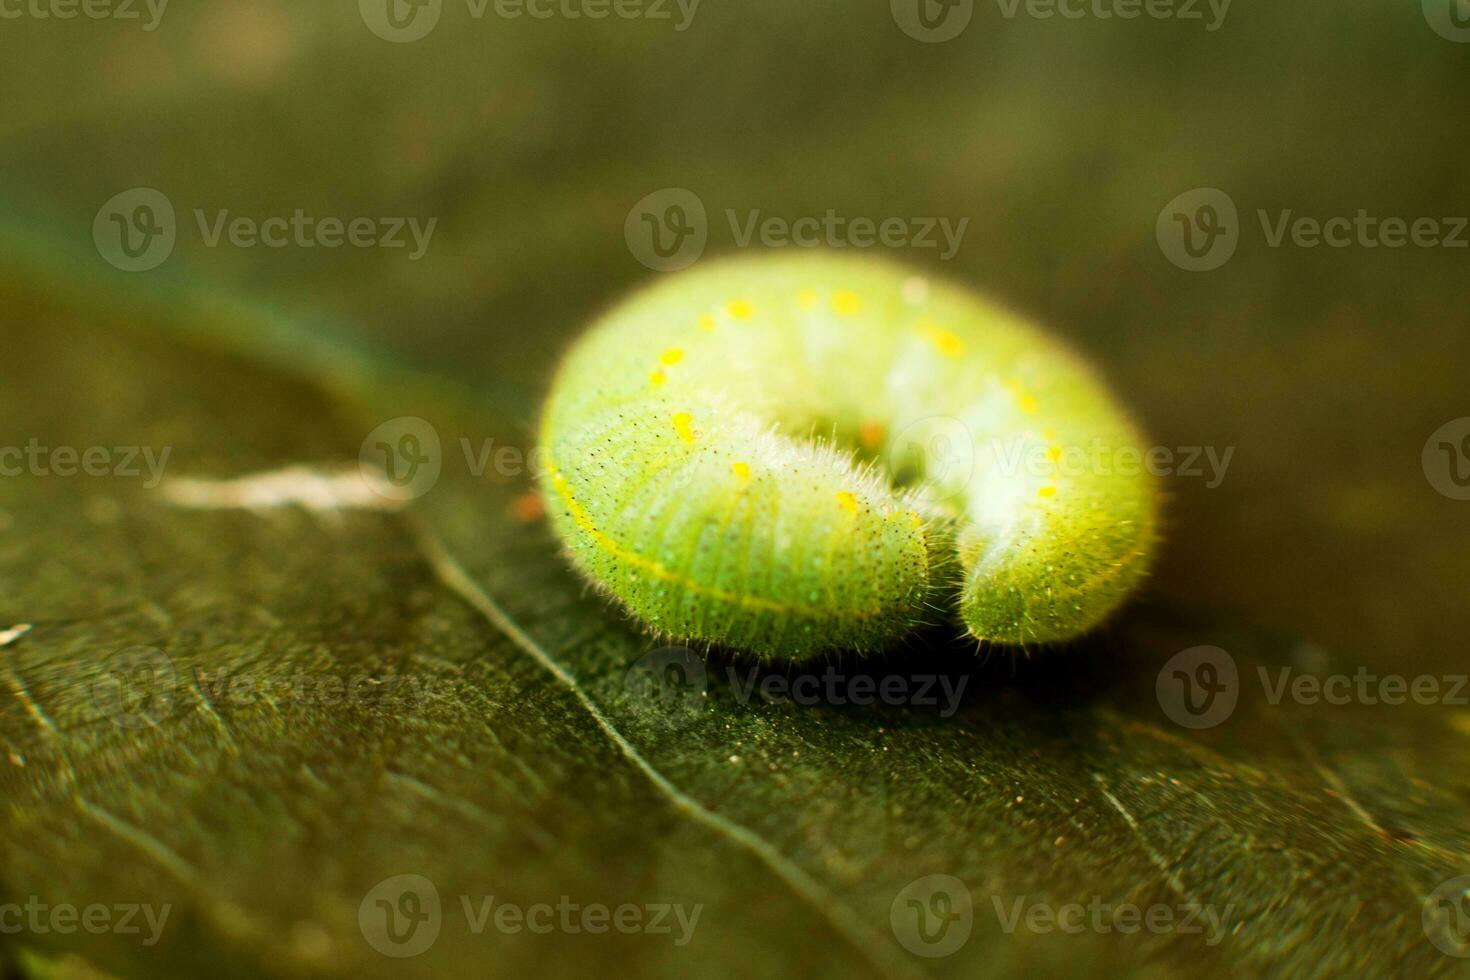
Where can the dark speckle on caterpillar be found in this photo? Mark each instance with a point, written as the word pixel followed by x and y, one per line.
pixel 797 455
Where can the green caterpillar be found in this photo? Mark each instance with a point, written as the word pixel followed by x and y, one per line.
pixel 802 454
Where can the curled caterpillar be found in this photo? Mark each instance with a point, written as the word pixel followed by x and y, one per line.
pixel 812 453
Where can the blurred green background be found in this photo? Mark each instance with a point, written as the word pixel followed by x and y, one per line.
pixel 1060 141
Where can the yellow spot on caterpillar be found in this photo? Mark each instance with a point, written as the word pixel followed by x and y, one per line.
pixel 946 342
pixel 741 471
pixel 673 355
pixel 684 425
pixel 1027 403
pixel 1054 453
pixel 846 302
pixel 1050 490
pixel 848 502
pixel 870 434
pixel 707 323
pixel 807 299
pixel 657 377
pixel 740 309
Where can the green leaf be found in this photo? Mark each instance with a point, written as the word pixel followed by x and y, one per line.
pixel 501 739
pixel 496 743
